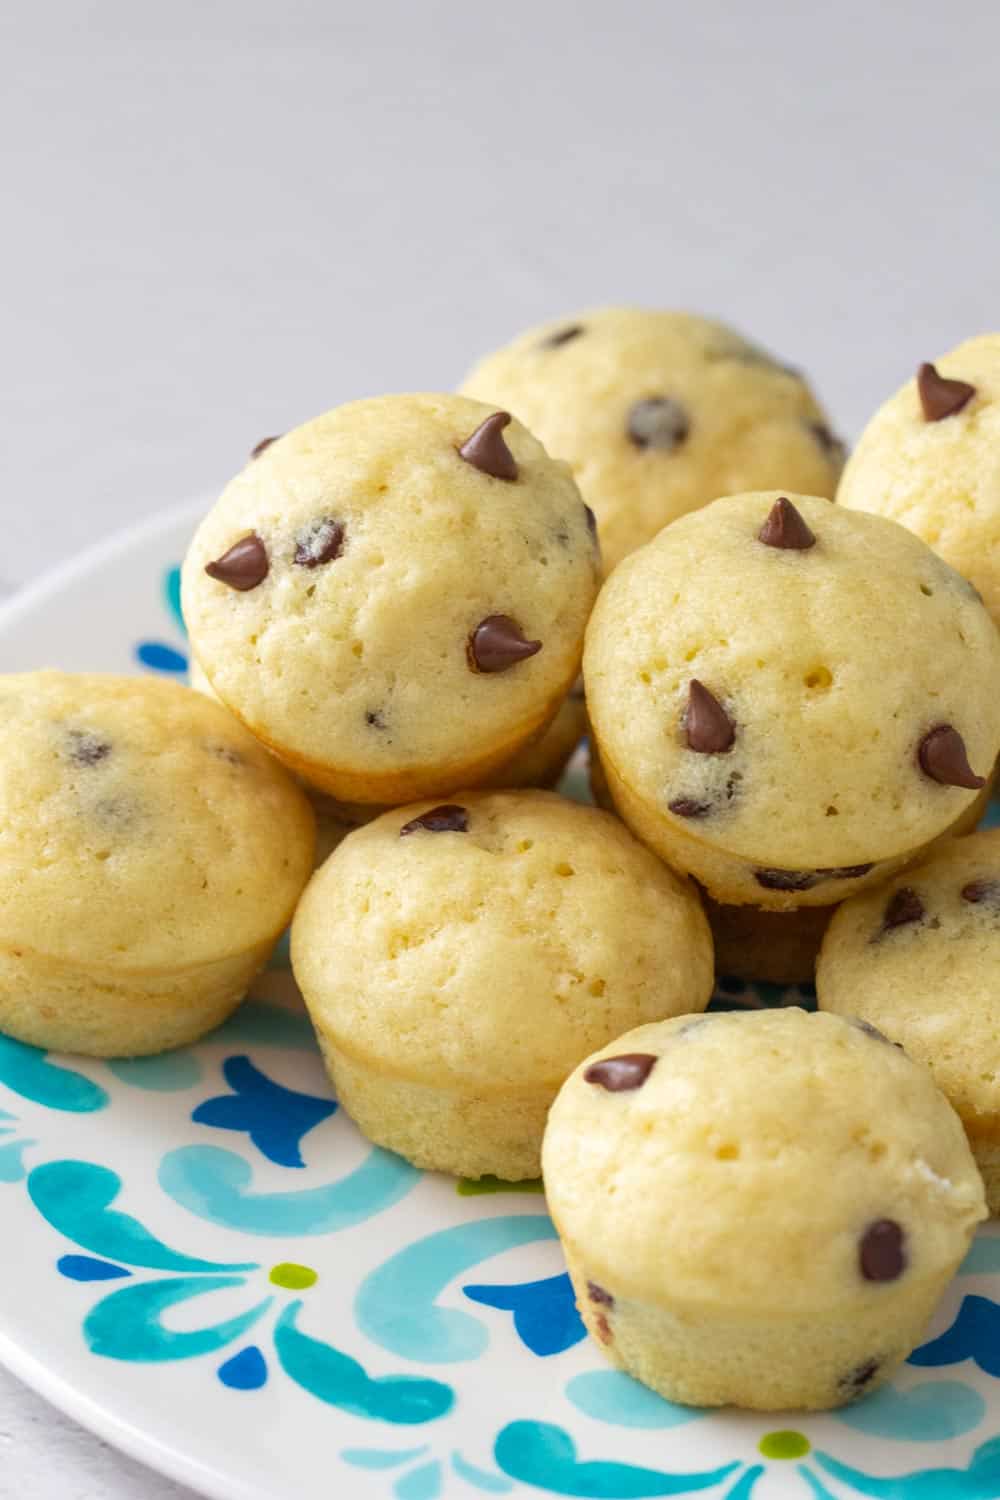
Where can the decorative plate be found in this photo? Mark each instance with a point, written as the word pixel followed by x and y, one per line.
pixel 206 1263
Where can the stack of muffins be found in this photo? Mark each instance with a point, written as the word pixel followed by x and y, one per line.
pixel 794 709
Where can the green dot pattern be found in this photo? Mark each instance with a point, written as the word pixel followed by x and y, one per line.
pixel 294 1278
pixel 784 1445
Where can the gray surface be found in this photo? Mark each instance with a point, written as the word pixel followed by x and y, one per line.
pixel 222 218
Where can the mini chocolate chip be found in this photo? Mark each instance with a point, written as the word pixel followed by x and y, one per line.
pixel 86 748
pixel 786 880
pixel 591 521
pixel 448 818
pixel 374 719
pixel 846 872
pixel 617 1074
pixel 942 757
pixel 603 1328
pixel 244 566
pixel 940 397
pixel 862 1376
pixel 833 446
pixel 258 448
pixel 320 542
pixel 904 907
pixel 598 1294
pixel 881 1252
pixel 561 336
pixel 687 807
pixel 982 892
pixel 658 422
pixel 486 450
pixel 707 727
pixel 497 643
pixel 785 528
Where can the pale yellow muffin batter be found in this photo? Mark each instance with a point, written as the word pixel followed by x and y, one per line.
pixel 790 700
pixel 920 959
pixel 458 962
pixel 930 459
pixel 758 1209
pixel 392 597
pixel 150 855
pixel 658 413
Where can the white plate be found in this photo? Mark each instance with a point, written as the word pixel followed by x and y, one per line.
pixel 263 1325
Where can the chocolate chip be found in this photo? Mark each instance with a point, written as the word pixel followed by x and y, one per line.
pixel 497 643
pixel 833 446
pixel 562 336
pixel 707 726
pixel 658 422
pixel 982 892
pixel 785 528
pixel 687 807
pixel 862 1376
pixel 603 1329
pixel 258 448
pixel 244 566
pixel 449 818
pixel 617 1074
pixel 846 872
pixel 598 1294
pixel 942 757
pixel 320 542
pixel 904 907
pixel 486 450
pixel 786 880
pixel 940 397
pixel 86 748
pixel 591 521
pixel 374 719
pixel 881 1252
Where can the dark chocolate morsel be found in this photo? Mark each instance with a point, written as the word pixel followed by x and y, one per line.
pixel 598 1294
pixel 562 336
pixel 448 818
pixel 707 726
pixel 984 892
pixel 243 567
pixel 497 643
pixel 786 880
pixel 882 1251
pixel 486 450
pixel 939 397
pixel 942 756
pixel 904 907
pixel 374 719
pixel 603 1329
pixel 258 448
pixel 658 422
pixel 846 872
pixel 785 528
pixel 861 1377
pixel 87 748
pixel 687 807
pixel 617 1074
pixel 321 542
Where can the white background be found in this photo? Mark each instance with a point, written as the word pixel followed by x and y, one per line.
pixel 221 218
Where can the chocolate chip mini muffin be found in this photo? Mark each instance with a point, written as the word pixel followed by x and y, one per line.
pixel 791 700
pixel 920 960
pixel 930 459
pixel 758 1209
pixel 458 961
pixel 150 855
pixel 658 413
pixel 392 597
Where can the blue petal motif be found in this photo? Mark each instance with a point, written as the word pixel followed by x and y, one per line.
pixel 167 1073
pixel 545 1314
pixel 744 1486
pixel 268 1025
pixel 980 1481
pixel 612 1396
pixel 12 1168
pixel 213 1184
pixel 927 1413
pixel 818 1489
pixel 159 657
pixel 275 1118
pixel 975 1335
pixel 380 1458
pixel 542 1454
pixel 25 1070
pixel 420 1484
pixel 126 1325
pixel 246 1371
pixel 481 1479
pixel 76 1196
pixel 172 596
pixel 395 1304
pixel 85 1268
pixel 339 1380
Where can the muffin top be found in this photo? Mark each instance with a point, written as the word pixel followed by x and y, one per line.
pixel 141 827
pixel 920 959
pixel 400 583
pixel 795 684
pixel 772 1161
pixel 495 940
pixel 658 413
pixel 930 459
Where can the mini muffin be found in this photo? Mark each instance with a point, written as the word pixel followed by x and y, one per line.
pixel 392 597
pixel 458 961
pixel 150 855
pixel 920 960
pixel 758 1209
pixel 659 413
pixel 930 459
pixel 791 700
